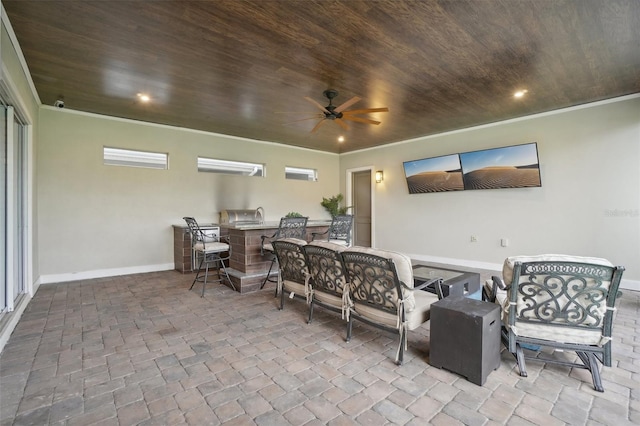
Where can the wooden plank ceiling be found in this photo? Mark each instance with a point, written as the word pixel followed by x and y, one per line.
pixel 244 68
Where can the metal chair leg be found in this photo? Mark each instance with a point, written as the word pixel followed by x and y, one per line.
pixel 219 263
pixel 224 269
pixel 206 275
pixel 282 299
pixel 273 261
pixel 197 273
pixel 520 360
pixel 591 363
pixel 403 342
pixel 310 312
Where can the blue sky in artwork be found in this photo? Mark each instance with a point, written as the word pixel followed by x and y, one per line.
pixel 446 163
pixel 519 155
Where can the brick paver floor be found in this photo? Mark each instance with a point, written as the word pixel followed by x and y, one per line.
pixel 143 350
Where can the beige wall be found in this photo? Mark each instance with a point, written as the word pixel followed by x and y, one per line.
pixel 589 164
pixel 102 220
pixel 590 167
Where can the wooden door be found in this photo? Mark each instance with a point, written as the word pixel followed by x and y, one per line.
pixel 362 208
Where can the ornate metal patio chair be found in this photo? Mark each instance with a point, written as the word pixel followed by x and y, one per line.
pixel 327 281
pixel 339 231
pixel 383 295
pixel 293 275
pixel 561 302
pixel 289 227
pixel 211 251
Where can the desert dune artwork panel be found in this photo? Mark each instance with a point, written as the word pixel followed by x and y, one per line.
pixel 436 174
pixel 508 167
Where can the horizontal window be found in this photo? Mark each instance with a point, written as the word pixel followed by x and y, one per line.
pixel 300 173
pixel 127 157
pixel 213 165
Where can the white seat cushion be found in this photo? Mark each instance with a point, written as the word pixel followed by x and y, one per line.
pixel 269 246
pixel 419 315
pixel 581 336
pixel 216 247
pixel 328 299
pixel 292 286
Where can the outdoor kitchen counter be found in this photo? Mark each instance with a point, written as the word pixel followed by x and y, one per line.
pixel 272 225
pixel 247 267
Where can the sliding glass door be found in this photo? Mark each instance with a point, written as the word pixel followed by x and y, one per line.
pixel 3 210
pixel 12 210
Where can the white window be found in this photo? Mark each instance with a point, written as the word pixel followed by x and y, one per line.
pixel 300 173
pixel 213 165
pixel 127 157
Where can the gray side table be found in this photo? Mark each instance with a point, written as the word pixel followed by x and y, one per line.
pixel 465 337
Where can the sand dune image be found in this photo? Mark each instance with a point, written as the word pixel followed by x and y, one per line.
pixel 502 177
pixel 435 182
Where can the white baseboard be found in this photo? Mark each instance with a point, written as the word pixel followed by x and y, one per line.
pixel 633 285
pixel 102 273
pixel 625 284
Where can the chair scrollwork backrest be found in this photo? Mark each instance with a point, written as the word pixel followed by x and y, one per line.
pixel 291 260
pixel 197 236
pixel 562 293
pixel 292 227
pixel 373 281
pixel 325 269
pixel 340 228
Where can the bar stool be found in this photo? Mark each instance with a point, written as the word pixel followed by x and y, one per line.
pixel 211 252
pixel 289 227
pixel 339 231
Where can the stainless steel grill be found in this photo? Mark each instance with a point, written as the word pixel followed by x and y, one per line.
pixel 229 217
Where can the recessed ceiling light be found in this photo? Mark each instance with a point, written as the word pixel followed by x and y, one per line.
pixel 520 93
pixel 143 97
pixel 340 138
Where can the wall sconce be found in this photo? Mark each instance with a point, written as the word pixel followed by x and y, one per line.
pixel 379 176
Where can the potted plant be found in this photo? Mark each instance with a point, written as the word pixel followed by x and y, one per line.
pixel 333 205
pixel 293 214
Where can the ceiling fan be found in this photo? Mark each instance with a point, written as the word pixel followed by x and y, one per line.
pixel 339 113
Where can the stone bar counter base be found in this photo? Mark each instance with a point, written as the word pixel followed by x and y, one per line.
pixel 247 268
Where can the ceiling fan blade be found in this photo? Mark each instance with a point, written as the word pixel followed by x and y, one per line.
pixel 366 110
pixel 323 109
pixel 315 117
pixel 317 126
pixel 347 104
pixel 360 119
pixel 342 124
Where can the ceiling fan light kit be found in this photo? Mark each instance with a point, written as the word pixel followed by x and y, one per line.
pixel 339 113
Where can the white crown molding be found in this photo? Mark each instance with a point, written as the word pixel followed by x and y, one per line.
pixel 185 129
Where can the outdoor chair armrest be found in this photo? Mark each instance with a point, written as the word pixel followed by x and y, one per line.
pixel 263 238
pixel 437 284
pixel 315 234
pixel 496 283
